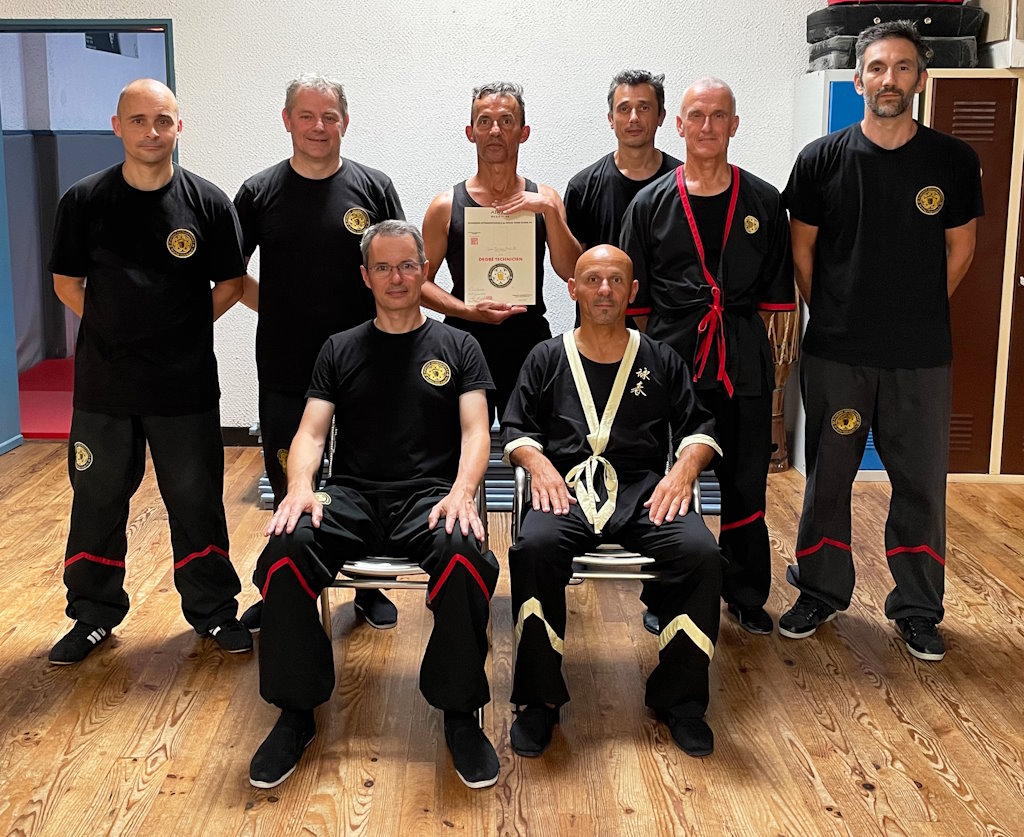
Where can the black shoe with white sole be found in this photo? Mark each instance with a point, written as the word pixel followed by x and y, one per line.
pixel 278 755
pixel 804 617
pixel 472 754
pixel 252 618
pixel 754 620
pixel 77 644
pixel 922 636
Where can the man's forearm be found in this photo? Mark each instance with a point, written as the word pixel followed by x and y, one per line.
pixel 305 458
pixel 438 299
pixel 692 460
pixel 70 291
pixel 225 295
pixel 476 449
pixel 563 247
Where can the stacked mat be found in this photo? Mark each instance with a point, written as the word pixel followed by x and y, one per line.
pixel 948 27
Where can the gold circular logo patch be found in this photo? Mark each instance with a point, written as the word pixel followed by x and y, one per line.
pixel 356 220
pixel 282 458
pixel 930 199
pixel 83 456
pixel 845 421
pixel 181 243
pixel 751 224
pixel 436 372
pixel 323 498
pixel 500 275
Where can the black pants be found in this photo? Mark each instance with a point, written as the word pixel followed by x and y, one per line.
pixel 743 427
pixel 106 462
pixel 296 659
pixel 280 414
pixel 908 411
pixel 686 602
pixel 505 347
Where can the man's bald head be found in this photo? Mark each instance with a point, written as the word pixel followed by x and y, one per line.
pixel 603 285
pixel 706 85
pixel 145 90
pixel 605 254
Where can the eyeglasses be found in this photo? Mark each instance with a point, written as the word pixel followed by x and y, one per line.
pixel 383 270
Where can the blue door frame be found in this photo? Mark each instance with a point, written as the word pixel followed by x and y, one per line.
pixel 10 415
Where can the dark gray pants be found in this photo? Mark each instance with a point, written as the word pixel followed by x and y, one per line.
pixel 908 412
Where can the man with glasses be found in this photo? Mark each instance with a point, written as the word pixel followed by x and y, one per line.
pixel 406 488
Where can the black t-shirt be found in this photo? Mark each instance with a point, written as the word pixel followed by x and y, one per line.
pixel 878 291
pixel 596 198
pixel 709 212
pixel 146 342
pixel 397 402
pixel 308 232
pixel 755 273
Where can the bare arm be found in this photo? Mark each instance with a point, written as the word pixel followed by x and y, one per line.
pixel 225 294
pixel 71 291
pixel 304 459
pixel 563 247
pixel 435 240
pixel 251 292
pixel 960 243
pixel 459 504
pixel 803 237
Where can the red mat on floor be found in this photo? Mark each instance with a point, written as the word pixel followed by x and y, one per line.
pixel 45 394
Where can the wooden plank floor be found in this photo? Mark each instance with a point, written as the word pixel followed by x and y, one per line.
pixel 843 733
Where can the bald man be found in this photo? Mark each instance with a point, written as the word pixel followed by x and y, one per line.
pixel 590 418
pixel 148 255
pixel 710 245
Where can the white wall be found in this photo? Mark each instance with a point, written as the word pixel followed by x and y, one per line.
pixel 409 68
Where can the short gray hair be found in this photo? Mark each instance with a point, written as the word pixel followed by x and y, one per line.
pixel 322 84
pixel 712 83
pixel 904 29
pixel 391 229
pixel 631 78
pixel 500 88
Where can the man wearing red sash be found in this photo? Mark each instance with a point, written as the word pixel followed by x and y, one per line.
pixel 710 249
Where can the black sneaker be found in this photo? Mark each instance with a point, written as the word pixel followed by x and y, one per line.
pixel 253 617
pixel 752 620
pixel 922 636
pixel 376 608
pixel 472 754
pixel 651 623
pixel 77 644
pixel 232 637
pixel 277 756
pixel 803 618
pixel 531 730
pixel 692 735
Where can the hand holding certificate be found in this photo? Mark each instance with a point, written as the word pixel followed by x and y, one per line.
pixel 500 257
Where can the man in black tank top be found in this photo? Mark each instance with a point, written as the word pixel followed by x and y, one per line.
pixel 505 332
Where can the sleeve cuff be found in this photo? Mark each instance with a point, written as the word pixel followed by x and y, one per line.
pixel 638 312
pixel 698 439
pixel 776 306
pixel 522 441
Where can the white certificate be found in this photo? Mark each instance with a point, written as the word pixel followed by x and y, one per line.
pixel 500 256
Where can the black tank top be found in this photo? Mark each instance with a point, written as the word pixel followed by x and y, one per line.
pixel 455 254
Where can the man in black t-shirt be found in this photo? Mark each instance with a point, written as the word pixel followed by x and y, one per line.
pixel 506 332
pixel 592 413
pixel 884 221
pixel 710 246
pixel 306 215
pixel 407 488
pixel 135 250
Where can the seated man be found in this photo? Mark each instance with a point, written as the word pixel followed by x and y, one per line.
pixel 407 395
pixel 593 411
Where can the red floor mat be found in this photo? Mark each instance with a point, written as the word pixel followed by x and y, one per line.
pixel 45 395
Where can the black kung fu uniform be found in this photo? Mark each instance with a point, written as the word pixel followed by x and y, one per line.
pixel 721 331
pixel 405 388
pixel 145 371
pixel 308 233
pixel 644 402
pixel 505 344
pixel 877 351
